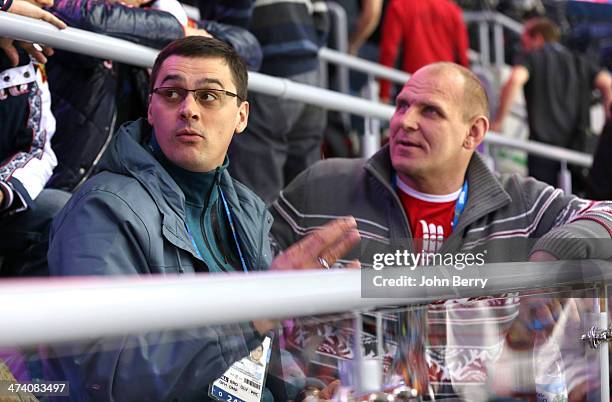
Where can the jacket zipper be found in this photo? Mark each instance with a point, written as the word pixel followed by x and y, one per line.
pixel 216 182
pixel 396 200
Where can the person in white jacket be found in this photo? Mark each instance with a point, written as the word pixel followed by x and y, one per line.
pixel 26 158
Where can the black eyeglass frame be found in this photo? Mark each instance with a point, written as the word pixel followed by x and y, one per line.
pixel 228 93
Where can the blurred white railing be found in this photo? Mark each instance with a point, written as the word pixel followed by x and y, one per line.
pixel 78 308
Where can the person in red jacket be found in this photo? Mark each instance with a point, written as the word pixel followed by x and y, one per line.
pixel 429 31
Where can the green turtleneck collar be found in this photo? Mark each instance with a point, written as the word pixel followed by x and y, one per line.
pixel 205 217
pixel 195 185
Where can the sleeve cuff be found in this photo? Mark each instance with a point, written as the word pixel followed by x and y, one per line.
pixel 584 240
pixel 16 196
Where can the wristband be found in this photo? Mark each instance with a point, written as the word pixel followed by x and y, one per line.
pixel 5 4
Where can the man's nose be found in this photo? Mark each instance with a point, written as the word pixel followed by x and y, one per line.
pixel 410 119
pixel 189 109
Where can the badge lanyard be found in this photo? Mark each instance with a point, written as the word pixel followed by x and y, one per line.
pixel 232 228
pixel 234 234
pixel 460 205
pixel 244 380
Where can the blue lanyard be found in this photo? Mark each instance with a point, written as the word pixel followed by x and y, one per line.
pixel 193 243
pixel 460 205
pixel 234 234
pixel 232 228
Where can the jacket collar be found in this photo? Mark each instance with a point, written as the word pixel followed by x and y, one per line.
pixel 128 156
pixel 485 193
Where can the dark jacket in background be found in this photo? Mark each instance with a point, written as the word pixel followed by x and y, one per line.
pixel 92 97
pixel 232 12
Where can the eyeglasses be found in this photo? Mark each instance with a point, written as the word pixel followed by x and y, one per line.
pixel 207 97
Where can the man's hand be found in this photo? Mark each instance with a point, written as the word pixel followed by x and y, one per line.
pixel 197 32
pixel 327 244
pixel 39 53
pixel 330 242
pixel 1 197
pixel 27 9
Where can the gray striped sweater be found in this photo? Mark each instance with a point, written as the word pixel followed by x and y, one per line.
pixel 507 215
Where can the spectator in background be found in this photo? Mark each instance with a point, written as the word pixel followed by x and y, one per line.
pixel 557 86
pixel 92 97
pixel 232 12
pixel 283 136
pixel 363 18
pixel 429 31
pixel 26 157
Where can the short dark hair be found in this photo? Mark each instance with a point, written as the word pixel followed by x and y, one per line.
pixel 549 31
pixel 201 46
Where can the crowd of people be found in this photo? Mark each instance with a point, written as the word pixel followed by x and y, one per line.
pixel 107 169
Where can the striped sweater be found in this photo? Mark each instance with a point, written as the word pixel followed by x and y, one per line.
pixel 500 208
pixel 507 215
pixel 290 32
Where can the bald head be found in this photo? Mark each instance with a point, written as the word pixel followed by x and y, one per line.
pixel 474 98
pixel 440 119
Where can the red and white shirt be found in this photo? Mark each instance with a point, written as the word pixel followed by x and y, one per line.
pixel 430 216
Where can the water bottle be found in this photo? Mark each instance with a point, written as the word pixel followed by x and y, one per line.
pixel 548 371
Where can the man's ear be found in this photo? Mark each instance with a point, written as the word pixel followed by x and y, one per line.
pixel 149 114
pixel 243 117
pixel 477 131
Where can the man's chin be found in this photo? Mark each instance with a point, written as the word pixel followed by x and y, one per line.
pixel 404 163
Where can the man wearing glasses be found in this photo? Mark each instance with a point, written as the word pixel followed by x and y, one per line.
pixel 164 203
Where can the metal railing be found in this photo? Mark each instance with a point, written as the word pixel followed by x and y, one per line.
pixel 101 46
pixel 87 308
pixel 362 65
pixel 497 22
pixel 94 307
pixel 105 47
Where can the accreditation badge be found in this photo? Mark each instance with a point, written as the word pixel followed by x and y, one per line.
pixel 244 380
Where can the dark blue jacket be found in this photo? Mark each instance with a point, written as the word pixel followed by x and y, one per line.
pixel 130 220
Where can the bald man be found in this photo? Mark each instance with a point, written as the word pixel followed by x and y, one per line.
pixel 428 191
